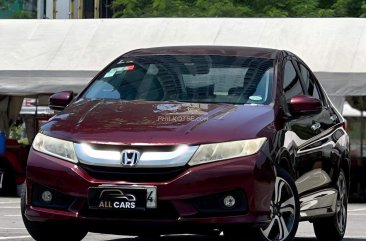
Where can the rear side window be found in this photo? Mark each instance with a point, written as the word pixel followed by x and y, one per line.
pixel 291 82
pixel 309 82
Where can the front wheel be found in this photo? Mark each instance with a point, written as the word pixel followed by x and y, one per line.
pixel 45 231
pixel 285 210
pixel 333 228
pixel 285 214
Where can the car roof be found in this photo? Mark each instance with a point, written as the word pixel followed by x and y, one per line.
pixel 207 50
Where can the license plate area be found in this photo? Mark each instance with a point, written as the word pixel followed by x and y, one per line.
pixel 122 197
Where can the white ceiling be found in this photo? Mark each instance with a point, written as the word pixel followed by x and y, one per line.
pixel 326 44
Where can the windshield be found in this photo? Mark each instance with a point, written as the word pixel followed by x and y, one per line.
pixel 186 78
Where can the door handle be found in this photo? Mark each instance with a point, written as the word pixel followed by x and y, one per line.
pixel 333 118
pixel 315 126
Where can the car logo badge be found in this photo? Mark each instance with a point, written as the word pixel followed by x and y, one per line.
pixel 130 157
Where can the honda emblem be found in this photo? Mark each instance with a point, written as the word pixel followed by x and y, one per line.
pixel 130 157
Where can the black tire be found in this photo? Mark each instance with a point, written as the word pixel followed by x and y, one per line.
pixel 240 233
pixel 45 231
pixel 333 228
pixel 149 235
pixel 285 209
pixel 7 181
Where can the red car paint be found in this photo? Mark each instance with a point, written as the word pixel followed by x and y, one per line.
pixel 292 144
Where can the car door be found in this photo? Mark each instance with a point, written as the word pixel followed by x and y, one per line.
pixel 315 157
pixel 305 132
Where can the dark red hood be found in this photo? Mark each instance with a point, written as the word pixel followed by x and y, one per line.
pixel 126 122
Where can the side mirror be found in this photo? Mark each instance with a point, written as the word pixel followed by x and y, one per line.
pixel 60 100
pixel 304 104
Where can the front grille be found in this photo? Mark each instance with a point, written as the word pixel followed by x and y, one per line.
pixel 133 174
pixel 164 211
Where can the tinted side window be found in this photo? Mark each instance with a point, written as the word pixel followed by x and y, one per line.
pixel 305 75
pixel 309 82
pixel 291 82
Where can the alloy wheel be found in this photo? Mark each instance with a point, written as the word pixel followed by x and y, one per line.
pixel 282 212
pixel 341 206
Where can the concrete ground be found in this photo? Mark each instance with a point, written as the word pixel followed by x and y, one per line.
pixel 12 228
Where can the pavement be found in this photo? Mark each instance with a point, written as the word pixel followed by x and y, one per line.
pixel 12 228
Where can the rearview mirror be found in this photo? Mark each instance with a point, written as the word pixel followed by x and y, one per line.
pixel 304 104
pixel 60 100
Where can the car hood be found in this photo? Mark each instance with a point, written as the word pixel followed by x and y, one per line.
pixel 161 123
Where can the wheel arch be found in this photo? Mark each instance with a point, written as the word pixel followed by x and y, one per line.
pixel 346 167
pixel 283 160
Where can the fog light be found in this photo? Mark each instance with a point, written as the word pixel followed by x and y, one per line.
pixel 229 201
pixel 47 196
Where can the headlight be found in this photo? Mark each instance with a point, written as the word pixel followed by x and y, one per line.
pixel 226 150
pixel 55 147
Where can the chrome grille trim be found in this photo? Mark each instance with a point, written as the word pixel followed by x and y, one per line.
pixel 149 159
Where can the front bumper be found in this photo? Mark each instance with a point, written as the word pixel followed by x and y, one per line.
pixel 178 197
